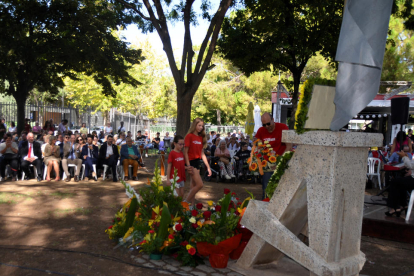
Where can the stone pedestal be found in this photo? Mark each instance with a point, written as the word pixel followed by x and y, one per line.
pixel 323 188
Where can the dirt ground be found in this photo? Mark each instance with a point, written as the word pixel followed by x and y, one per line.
pixel 59 228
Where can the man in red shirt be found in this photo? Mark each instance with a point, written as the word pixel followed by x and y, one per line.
pixel 272 132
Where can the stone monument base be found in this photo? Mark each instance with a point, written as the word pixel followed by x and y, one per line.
pixel 284 267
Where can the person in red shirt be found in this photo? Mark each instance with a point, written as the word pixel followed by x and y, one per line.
pixel 272 132
pixel 176 161
pixel 194 142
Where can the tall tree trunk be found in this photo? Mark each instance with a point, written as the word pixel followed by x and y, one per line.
pixel 184 101
pixel 296 83
pixel 20 98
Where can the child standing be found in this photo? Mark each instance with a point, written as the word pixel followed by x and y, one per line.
pixel 176 161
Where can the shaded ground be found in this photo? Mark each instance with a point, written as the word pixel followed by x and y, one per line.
pixel 59 227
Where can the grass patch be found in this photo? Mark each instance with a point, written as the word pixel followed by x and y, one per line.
pixel 9 198
pixel 63 195
pixel 79 211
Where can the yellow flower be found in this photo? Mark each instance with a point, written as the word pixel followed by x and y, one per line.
pixel 210 203
pixel 192 220
pixel 199 223
pixel 128 233
pixel 266 142
pixel 270 149
pixel 268 145
pixel 161 188
pixel 188 246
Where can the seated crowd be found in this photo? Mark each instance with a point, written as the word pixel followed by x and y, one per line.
pixel 88 154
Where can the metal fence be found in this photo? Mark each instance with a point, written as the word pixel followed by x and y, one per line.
pixel 75 116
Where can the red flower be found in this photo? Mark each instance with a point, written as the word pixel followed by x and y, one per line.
pixel 171 236
pixel 180 220
pixel 237 198
pixel 266 199
pixel 226 191
pixel 259 155
pixel 178 227
pixel 233 193
pixel 118 219
pixel 238 203
pixel 218 208
pixel 194 213
pixel 192 251
pixel 207 214
pixel 151 231
pixel 194 225
pixel 175 255
pixel 110 227
pixel 237 213
pixel 184 243
pixel 144 241
pixel 266 158
pixel 199 206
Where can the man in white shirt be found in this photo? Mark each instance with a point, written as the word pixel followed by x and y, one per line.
pixel 31 154
pixel 71 153
pixel 122 140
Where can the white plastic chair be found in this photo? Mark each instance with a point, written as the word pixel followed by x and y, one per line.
pixel 105 168
pixel 410 206
pixel 69 166
pixel 371 169
pixel 34 168
pixel 83 170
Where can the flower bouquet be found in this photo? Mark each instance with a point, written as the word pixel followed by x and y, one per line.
pixel 262 158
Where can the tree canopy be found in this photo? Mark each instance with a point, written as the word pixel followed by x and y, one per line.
pixel 284 34
pixel 44 41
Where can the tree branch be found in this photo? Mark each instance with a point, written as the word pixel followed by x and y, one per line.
pixel 134 8
pixel 188 44
pixel 213 30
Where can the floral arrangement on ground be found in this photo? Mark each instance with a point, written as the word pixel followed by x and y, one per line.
pixel 156 222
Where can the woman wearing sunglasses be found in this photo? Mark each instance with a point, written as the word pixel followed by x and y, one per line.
pixel 272 132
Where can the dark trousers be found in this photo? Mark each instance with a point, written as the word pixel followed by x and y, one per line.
pixel 88 165
pixel 24 165
pixel 111 162
pixel 397 193
pixel 13 161
pixel 265 179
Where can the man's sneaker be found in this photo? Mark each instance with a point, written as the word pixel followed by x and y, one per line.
pixel 232 176
pixel 227 176
pixel 76 178
pixel 146 155
pixel 39 178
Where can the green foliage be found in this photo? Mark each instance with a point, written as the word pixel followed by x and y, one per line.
pixel 45 41
pixel 282 165
pixel 130 216
pixel 165 222
pixel 304 100
pixel 281 34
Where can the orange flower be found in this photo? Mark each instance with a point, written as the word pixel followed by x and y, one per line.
pixel 185 205
pixel 264 163
pixel 266 150
pixel 249 160
pixel 272 159
pixel 253 167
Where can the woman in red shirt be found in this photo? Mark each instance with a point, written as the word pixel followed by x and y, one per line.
pixel 194 142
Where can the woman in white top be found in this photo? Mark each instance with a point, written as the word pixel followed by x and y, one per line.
pixel 108 129
pixel 12 128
